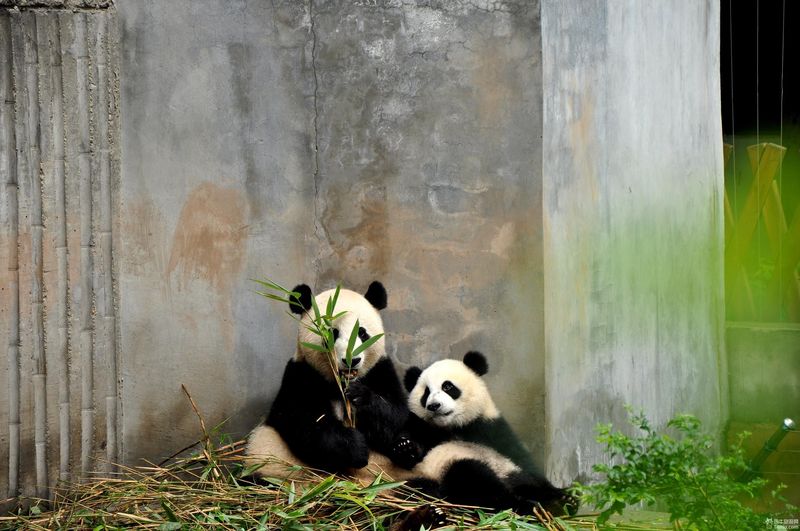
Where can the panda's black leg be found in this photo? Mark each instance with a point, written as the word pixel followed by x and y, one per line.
pixel 532 490
pixel 426 486
pixel 471 482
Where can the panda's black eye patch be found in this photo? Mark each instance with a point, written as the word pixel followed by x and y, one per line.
pixel 450 388
pixel 425 395
pixel 335 334
pixel 362 334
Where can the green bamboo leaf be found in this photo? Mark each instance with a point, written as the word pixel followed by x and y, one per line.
pixel 317 316
pixel 314 330
pixel 314 346
pixel 271 285
pixel 319 488
pixel 366 344
pixel 335 299
pixel 378 487
pixel 329 341
pixel 356 501
pixel 350 343
pixel 248 471
pixel 275 297
pixel 170 513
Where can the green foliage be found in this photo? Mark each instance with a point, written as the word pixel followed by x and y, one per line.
pixel 681 473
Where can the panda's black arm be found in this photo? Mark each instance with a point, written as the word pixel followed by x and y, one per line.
pixel 303 416
pixel 414 441
pixel 424 434
pixel 383 380
pixel 381 409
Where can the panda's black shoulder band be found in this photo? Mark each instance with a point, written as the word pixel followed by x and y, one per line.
pixel 304 299
pixel 376 295
pixel 477 362
pixel 411 377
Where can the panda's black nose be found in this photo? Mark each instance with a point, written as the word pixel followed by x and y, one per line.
pixel 434 406
pixel 353 362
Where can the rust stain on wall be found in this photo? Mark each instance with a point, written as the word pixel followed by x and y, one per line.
pixel 495 84
pixel 143 238
pixel 209 245
pixel 208 239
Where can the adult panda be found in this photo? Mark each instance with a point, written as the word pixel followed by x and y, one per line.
pixel 462 446
pixel 305 426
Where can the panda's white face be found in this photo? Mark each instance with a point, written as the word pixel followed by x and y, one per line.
pixel 450 394
pixel 355 308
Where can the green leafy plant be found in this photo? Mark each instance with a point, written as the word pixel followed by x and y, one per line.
pixel 321 324
pixel 696 487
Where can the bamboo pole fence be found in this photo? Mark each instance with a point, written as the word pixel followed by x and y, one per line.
pixel 8 167
pixel 57 206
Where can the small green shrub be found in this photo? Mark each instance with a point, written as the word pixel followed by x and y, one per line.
pixel 680 473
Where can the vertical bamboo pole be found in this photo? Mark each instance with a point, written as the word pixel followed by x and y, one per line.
pixel 31 55
pixel 85 194
pixel 8 169
pixel 109 317
pixel 60 223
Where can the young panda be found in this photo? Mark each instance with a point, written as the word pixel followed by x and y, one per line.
pixel 462 445
pixel 304 425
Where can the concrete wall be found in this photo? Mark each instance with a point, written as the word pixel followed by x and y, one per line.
pixel 632 185
pixel 351 141
pixel 323 142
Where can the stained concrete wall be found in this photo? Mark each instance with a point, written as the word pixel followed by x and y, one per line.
pixel 351 141
pixel 324 142
pixel 632 186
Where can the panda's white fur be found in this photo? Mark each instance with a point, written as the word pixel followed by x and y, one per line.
pixel 355 308
pixel 265 445
pixel 441 457
pixel 474 402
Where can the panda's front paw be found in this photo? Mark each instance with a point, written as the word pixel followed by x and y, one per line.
pixel 358 449
pixel 359 394
pixel 426 517
pixel 406 453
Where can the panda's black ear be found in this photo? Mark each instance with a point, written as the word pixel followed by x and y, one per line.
pixel 410 380
pixel 477 362
pixel 304 300
pixel 376 295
